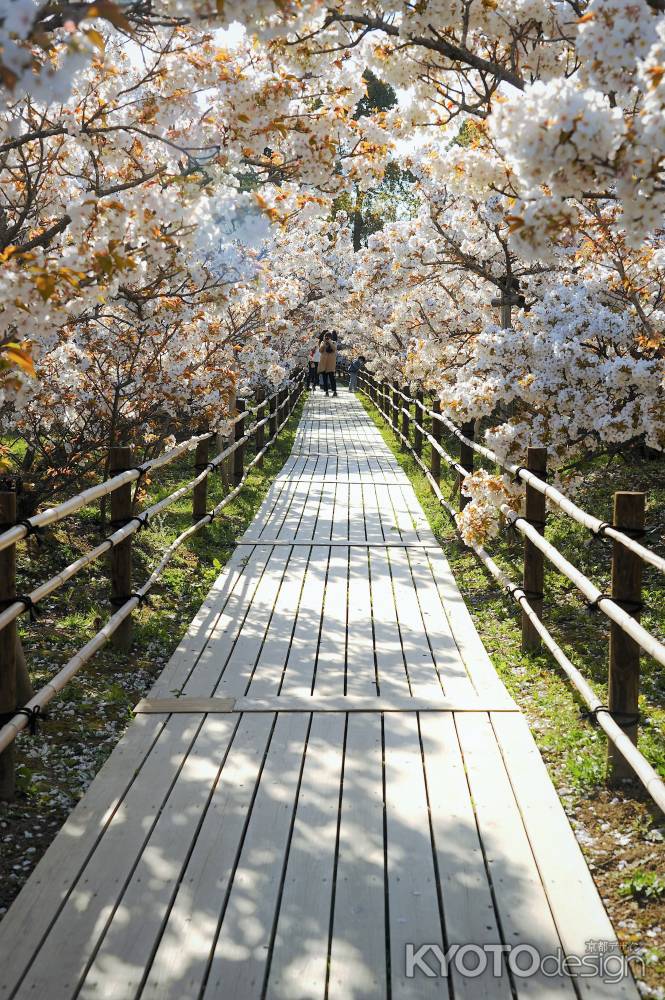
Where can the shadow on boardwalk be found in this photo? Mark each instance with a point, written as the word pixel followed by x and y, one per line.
pixel 299 854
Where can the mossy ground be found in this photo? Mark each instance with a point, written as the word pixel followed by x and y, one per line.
pixel 621 837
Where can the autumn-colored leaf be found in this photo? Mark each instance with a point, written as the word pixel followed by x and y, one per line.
pixel 96 38
pixel 110 12
pixel 45 284
pixel 20 355
pixel 656 73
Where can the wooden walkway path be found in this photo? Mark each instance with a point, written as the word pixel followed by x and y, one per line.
pixel 337 773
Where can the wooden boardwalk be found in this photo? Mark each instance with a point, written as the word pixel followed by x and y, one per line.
pixel 337 773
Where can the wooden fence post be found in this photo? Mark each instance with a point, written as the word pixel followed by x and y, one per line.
pixel 395 420
pixel 8 647
pixel 406 423
pixel 272 424
pixel 534 560
pixel 419 419
pixel 624 662
pixel 239 453
pixel 200 494
pixel 260 431
pixel 435 460
pixel 466 455
pixel 121 554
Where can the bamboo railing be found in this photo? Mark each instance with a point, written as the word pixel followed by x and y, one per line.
pixel 277 409
pixel 619 718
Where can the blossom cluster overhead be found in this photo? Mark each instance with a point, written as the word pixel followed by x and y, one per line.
pixel 523 283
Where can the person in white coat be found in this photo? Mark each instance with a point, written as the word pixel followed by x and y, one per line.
pixel 313 372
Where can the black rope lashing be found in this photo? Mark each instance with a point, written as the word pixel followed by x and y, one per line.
pixel 535 523
pixel 143 521
pixel 634 533
pixel 631 607
pixel 25 522
pixel 531 595
pixel 626 720
pixel 201 467
pixel 141 469
pixel 27 602
pixel 517 479
pixel 32 529
pixel 121 599
pixel 33 715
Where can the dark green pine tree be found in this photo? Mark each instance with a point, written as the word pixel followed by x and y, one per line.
pixel 392 198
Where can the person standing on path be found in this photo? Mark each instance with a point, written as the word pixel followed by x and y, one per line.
pixel 313 373
pixel 328 363
pixel 354 368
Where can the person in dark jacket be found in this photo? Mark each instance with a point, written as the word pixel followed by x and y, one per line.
pixel 354 368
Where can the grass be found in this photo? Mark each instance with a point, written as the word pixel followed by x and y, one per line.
pixel 570 744
pixel 87 719
pixel 620 831
pixel 643 886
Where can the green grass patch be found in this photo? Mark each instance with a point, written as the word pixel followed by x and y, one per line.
pixel 94 708
pixel 573 747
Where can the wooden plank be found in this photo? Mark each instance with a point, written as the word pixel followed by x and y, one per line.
pixel 358 946
pixel 135 927
pixel 194 641
pixel 300 949
pixel 174 706
pixel 294 514
pixel 324 521
pixel 448 660
pixel 269 524
pixel 578 911
pixel 242 950
pixel 356 514
pixel 190 673
pixel 521 902
pixel 478 664
pixel 343 545
pixel 267 677
pixel 301 660
pixel 236 672
pixel 203 679
pixel 360 666
pixel 329 678
pixel 272 509
pixel 466 894
pixel 340 527
pixel 42 897
pixel 413 902
pixel 404 495
pixel 424 680
pixel 311 501
pixel 391 673
pixel 397 524
pixel 178 969
pixel 71 942
pixel 300 700
pixel 373 524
